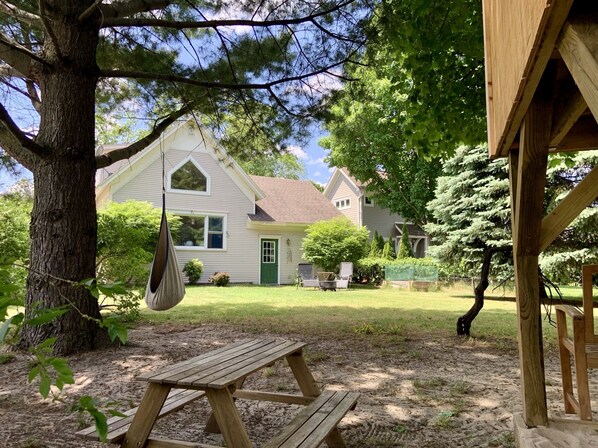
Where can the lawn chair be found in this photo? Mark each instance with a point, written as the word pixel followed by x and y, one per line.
pixel 582 348
pixel 345 275
pixel 306 275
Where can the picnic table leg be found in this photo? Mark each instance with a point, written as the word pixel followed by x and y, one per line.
pixel 310 388
pixel 303 375
pixel 212 425
pixel 230 423
pixel 146 415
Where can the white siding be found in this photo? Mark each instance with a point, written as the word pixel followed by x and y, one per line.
pixel 241 254
pixel 343 189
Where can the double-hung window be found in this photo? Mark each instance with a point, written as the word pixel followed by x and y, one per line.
pixel 202 232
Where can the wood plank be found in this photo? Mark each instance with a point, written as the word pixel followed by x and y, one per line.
pixel 581 370
pixel 569 208
pixel 565 358
pixel 567 111
pixel 587 281
pixel 209 358
pixel 528 210
pixel 583 136
pixel 247 394
pixel 578 47
pixel 229 372
pixel 332 419
pixel 145 418
pixel 305 380
pixel 519 40
pixel 230 423
pixel 228 361
pixel 299 419
pixel 167 443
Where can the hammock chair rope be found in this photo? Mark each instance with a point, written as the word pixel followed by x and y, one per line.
pixel 165 286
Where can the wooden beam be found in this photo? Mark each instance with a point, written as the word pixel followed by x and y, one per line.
pixel 527 189
pixel 578 46
pixel 583 136
pixel 568 108
pixel 569 208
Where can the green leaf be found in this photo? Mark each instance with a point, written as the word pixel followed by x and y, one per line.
pixel 44 384
pixel 33 372
pixel 101 423
pixel 47 343
pixel 4 328
pixel 44 316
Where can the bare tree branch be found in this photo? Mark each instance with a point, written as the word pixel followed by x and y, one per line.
pixel 108 159
pixel 146 21
pixel 89 11
pixel 15 142
pixel 128 8
pixel 20 14
pixel 17 56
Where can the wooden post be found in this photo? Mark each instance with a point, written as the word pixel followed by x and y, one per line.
pixel 528 179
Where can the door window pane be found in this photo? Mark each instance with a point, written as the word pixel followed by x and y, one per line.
pixel 268 252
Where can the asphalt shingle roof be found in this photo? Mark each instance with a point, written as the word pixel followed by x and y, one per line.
pixel 291 201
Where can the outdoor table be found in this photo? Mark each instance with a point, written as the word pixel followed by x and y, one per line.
pixel 220 374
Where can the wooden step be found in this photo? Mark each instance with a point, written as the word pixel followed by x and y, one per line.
pixel 118 426
pixel 311 426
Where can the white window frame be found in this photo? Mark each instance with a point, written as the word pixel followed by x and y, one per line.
pixel 207 216
pixel 201 170
pixel 365 198
pixel 343 203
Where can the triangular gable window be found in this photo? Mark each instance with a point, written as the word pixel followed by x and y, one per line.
pixel 189 177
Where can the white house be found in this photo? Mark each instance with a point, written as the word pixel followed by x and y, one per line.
pixel 248 226
pixel 350 197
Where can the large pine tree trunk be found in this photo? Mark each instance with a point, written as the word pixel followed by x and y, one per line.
pixel 63 223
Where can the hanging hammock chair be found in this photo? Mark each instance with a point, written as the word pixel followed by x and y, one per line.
pixel 165 287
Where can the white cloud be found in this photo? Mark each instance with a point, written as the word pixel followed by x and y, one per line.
pixel 297 152
pixel 318 161
pixel 317 174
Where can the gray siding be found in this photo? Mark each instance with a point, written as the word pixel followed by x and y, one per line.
pixel 342 189
pixel 382 220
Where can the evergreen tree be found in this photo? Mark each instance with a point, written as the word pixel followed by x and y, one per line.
pixel 374 248
pixel 405 249
pixel 472 220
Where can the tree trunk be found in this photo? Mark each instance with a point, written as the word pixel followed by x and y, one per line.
pixel 464 322
pixel 63 221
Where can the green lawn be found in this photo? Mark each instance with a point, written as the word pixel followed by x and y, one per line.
pixel 287 309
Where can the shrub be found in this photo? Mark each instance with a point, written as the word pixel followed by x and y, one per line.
pixel 370 270
pixel 405 250
pixel 193 269
pixel 328 243
pixel 220 279
pixel 127 237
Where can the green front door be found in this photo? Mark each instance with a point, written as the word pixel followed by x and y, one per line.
pixel 269 262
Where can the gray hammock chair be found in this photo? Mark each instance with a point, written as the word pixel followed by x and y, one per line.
pixel 165 287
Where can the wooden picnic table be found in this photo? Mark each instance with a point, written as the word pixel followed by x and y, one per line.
pixel 220 375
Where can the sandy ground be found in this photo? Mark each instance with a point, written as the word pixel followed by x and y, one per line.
pixel 445 392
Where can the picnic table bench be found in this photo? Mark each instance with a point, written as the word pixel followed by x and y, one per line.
pixel 219 375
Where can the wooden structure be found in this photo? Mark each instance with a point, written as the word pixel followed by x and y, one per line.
pixel 542 97
pixel 219 375
pixel 581 346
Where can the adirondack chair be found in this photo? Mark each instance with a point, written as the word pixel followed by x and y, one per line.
pixel 345 275
pixel 306 275
pixel 582 348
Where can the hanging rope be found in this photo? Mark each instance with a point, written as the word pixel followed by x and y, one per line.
pixel 165 287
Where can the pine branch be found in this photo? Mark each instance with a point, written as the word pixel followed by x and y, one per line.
pixel 214 84
pixel 18 56
pixel 120 21
pixel 104 160
pixel 131 7
pixel 15 142
pixel 20 14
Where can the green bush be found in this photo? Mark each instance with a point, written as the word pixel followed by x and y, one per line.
pixel 370 270
pixel 220 279
pixel 127 238
pixel 405 249
pixel 193 269
pixel 328 243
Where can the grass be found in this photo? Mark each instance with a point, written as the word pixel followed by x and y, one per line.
pixel 394 312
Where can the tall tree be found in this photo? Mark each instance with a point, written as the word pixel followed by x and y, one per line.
pixel 471 228
pixel 163 59
pixel 420 93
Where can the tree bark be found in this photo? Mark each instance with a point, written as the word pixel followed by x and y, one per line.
pixel 464 322
pixel 63 221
